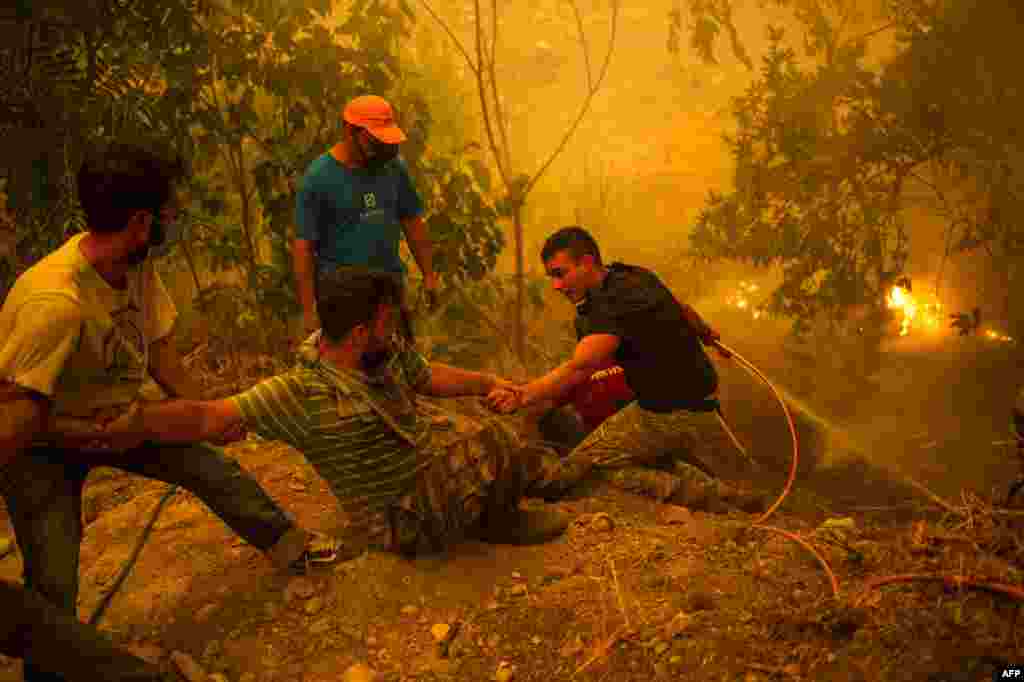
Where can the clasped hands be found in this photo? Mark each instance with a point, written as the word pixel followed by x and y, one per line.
pixel 505 397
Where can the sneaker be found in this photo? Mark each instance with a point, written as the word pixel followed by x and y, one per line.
pixel 320 550
pixel 522 527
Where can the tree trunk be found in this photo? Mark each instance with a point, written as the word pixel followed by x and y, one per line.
pixel 520 330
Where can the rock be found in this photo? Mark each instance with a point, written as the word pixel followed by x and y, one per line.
pixel 602 523
pixel 247 677
pixel 270 608
pixel 535 640
pixel 218 677
pixel 359 672
pixel 505 672
pixel 791 670
pixel 516 575
pixel 440 631
pixel 188 667
pixel 410 610
pixel 518 591
pixel 7 546
pixel 660 648
pixel 149 652
pixel 371 640
pixel 212 650
pixel 314 606
pixel 671 514
pixel 299 588
pixel 203 614
pixel 493 640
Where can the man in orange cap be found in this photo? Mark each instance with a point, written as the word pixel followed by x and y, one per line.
pixel 354 203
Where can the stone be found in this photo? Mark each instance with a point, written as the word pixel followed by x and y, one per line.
pixel 299 588
pixel 602 523
pixel 410 610
pixel 440 631
pixel 505 672
pixel 313 606
pixel 359 673
pixel 188 667
pixel 147 651
pixel 672 514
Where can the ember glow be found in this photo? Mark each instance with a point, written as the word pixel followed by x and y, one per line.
pixel 996 336
pixel 741 299
pixel 915 315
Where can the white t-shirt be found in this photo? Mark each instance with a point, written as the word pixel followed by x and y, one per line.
pixel 66 333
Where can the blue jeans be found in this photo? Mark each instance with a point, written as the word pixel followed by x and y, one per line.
pixel 43 491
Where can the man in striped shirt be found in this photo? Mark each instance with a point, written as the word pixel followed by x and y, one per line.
pixel 352 413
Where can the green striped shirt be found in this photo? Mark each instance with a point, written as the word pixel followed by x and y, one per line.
pixel 325 412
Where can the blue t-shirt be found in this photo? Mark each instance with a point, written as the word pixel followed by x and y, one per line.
pixel 354 217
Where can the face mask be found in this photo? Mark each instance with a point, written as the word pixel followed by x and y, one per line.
pixel 162 236
pixel 380 154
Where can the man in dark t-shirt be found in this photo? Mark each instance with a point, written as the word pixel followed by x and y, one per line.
pixel 627 317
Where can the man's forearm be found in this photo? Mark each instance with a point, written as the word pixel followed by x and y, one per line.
pixel 451 382
pixel 420 245
pixel 554 385
pixel 304 264
pixel 173 421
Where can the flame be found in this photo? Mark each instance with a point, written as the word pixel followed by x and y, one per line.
pixel 997 336
pixel 741 298
pixel 915 315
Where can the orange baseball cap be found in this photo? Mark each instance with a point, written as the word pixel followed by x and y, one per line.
pixel 374 114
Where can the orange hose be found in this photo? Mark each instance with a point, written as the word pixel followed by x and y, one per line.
pixel 746 364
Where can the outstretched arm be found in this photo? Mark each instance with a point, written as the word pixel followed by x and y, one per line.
pixel 450 382
pixel 176 421
pixel 592 353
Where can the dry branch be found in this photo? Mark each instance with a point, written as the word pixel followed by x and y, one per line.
pixel 950 581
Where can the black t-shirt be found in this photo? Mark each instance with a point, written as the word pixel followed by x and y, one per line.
pixel 664 361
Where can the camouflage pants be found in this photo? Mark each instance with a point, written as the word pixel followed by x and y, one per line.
pixel 653 453
pixel 487 473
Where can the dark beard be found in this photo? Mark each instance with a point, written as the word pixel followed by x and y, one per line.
pixel 138 256
pixel 372 361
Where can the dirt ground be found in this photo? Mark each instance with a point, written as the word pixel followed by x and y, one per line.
pixel 636 590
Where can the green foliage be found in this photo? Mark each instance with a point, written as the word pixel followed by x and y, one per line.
pixel 251 92
pixel 827 146
pixel 828 223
